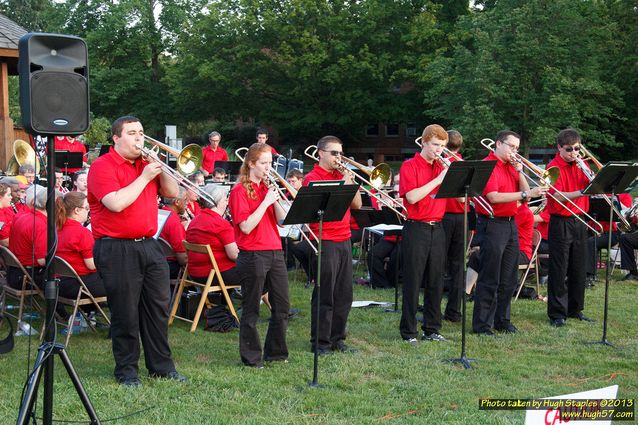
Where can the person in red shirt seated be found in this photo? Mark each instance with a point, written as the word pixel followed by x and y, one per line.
pixel 213 152
pixel 59 182
pixel 28 172
pixel 174 232
pixel 75 245
pixel 219 175
pixel 262 138
pixel 6 214
pixel 80 182
pixel 28 237
pixel 255 213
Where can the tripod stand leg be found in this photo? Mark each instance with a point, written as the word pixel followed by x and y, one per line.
pixel 30 394
pixel 78 387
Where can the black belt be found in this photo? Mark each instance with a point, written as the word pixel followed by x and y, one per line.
pixel 125 239
pixel 501 218
pixel 428 223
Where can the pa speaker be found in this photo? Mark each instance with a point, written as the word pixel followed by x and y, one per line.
pixel 54 84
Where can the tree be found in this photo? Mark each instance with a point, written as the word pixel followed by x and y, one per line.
pixel 523 66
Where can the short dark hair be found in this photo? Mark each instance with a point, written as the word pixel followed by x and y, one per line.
pixel 504 134
pixel 568 136
pixel 295 173
pixel 219 170
pixel 118 124
pixel 454 140
pixel 323 142
pixel 262 130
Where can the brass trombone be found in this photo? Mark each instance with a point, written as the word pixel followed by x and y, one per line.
pixel 273 177
pixel 189 160
pixel 378 177
pixel 548 178
pixel 625 225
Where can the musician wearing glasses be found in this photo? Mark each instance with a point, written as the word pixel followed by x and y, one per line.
pixel 567 236
pixel 213 152
pixel 123 189
pixel 497 237
pixel 255 211
pixel 423 236
pixel 335 298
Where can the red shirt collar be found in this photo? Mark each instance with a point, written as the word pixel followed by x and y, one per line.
pixel 327 175
pixel 561 162
pixel 422 160
pixel 119 159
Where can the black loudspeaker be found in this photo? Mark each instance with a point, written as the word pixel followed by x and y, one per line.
pixel 54 84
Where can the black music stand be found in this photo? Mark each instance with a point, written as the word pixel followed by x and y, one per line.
pixel 463 179
pixel 68 159
pixel 613 178
pixel 104 149
pixel 317 204
pixel 231 167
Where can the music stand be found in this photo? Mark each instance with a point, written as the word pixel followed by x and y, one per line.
pixel 231 167
pixel 68 159
pixel 104 149
pixel 463 179
pixel 613 178
pixel 599 210
pixel 317 204
pixel 397 268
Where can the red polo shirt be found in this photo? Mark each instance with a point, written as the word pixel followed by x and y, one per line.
pixel 68 143
pixel 274 152
pixel 110 173
pixel 211 156
pixel 265 235
pixel 75 243
pixel 335 231
pixel 571 178
pixel 194 208
pixel 525 224
pixel 6 218
pixel 417 172
pixel 23 239
pixel 504 179
pixel 452 205
pixel 209 228
pixel 173 232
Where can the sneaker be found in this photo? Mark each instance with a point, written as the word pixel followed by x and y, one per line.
pixel 557 323
pixel 171 376
pixel 485 333
pixel 630 276
pixel 412 341
pixel 343 348
pixel 130 382
pixel 322 351
pixel 433 337
pixel 508 329
pixel 580 316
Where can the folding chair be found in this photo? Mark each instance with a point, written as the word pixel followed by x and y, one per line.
pixel 28 289
pixel 532 265
pixel 84 297
pixel 206 288
pixel 167 250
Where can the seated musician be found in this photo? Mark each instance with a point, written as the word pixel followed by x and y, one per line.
pixel 59 180
pixel 296 248
pixel 174 232
pixel 198 178
pixel 6 214
pixel 28 238
pixel 596 243
pixel 28 172
pixel 79 182
pixel 219 175
pixel 192 206
pixel 75 245
pixel 628 244
pixel 211 228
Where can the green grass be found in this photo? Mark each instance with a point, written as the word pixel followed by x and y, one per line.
pixel 385 382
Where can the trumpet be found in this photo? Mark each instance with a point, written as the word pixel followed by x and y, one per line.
pixel 274 178
pixel 189 160
pixel 624 225
pixel 378 177
pixel 548 178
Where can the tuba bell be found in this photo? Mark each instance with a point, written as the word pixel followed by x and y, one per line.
pixel 23 154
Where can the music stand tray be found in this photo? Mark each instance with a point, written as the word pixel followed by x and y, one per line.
pixel 463 179
pixel 67 159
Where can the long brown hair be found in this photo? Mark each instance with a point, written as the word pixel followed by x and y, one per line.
pixel 64 206
pixel 253 154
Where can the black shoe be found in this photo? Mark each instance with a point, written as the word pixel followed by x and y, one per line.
pixel 292 313
pixel 172 376
pixel 485 333
pixel 453 319
pixel 557 323
pixel 434 336
pixel 630 276
pixel 343 348
pixel 580 316
pixel 508 329
pixel 412 341
pixel 322 351
pixel 130 382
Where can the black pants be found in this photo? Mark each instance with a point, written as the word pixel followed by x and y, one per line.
pixel 595 244
pixel 69 288
pixel 497 274
pixel 422 245
pixel 335 300
pixel 380 277
pixel 543 248
pixel 135 276
pixel 567 253
pixel 628 243
pixel 454 252
pixel 301 251
pixel 259 271
pixel 230 276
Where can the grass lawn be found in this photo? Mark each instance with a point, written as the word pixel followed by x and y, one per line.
pixel 386 381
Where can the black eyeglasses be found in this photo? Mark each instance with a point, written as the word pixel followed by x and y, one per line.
pixel 571 148
pixel 509 145
pixel 333 153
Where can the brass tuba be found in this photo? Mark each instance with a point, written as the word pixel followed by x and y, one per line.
pixel 23 154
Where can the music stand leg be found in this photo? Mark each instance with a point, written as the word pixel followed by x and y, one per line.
pixel 463 359
pixel 315 373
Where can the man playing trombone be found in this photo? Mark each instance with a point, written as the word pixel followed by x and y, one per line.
pixel 497 237
pixel 123 190
pixel 567 235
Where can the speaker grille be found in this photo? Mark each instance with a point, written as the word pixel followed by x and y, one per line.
pixel 59 103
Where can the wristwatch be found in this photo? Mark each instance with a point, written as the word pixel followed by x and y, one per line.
pixel 523 195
